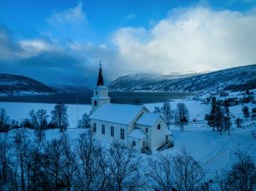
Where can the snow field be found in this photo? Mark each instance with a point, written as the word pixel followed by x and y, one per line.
pixel 216 153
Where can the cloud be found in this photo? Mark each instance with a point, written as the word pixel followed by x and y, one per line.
pixel 8 47
pixel 67 24
pixel 188 39
pixel 192 39
pixel 51 62
pixel 70 16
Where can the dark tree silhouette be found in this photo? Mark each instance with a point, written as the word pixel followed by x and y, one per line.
pixel 124 168
pixel 238 122
pixel 246 111
pixel 4 121
pixel 181 116
pixel 167 113
pixel 242 176
pixel 85 121
pixel 60 116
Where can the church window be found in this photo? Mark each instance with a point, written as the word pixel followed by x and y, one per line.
pixel 133 143
pixel 158 126
pixel 122 133
pixel 112 131
pixel 95 103
pixel 146 130
pixel 103 129
pixel 94 127
pixel 96 92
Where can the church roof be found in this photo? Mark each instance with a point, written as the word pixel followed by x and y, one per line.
pixel 137 134
pixel 148 119
pixel 117 113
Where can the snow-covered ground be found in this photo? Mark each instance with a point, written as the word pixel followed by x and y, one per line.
pixel 215 152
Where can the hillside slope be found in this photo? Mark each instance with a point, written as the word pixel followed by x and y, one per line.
pixel 21 85
pixel 239 78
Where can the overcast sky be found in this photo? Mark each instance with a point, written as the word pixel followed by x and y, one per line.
pixel 62 41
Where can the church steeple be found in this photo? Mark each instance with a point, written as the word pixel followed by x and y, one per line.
pixel 100 81
pixel 100 93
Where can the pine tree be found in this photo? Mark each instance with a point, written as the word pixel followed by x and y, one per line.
pixel 213 114
pixel 219 117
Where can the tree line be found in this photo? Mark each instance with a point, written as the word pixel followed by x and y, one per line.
pixel 31 163
pixel 179 117
pixel 220 118
pixel 39 120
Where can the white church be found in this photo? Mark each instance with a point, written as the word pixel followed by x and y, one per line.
pixel 132 124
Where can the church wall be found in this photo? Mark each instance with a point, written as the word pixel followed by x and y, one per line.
pixel 107 138
pixel 132 124
pixel 158 135
pixel 148 132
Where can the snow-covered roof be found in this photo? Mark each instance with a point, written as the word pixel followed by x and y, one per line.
pixel 117 113
pixel 148 119
pixel 137 134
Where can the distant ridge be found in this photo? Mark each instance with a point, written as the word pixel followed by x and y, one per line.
pixel 238 78
pixel 20 85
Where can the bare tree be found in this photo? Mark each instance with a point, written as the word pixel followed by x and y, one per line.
pixel 124 168
pixel 91 173
pixel 52 166
pixel 167 113
pixel 36 170
pixel 38 120
pixel 6 169
pixel 238 122
pixel 157 109
pixel 68 161
pixel 159 174
pixel 188 174
pixel 253 115
pixel 21 146
pixel 60 116
pixel 85 121
pixel 4 120
pixel 181 116
pixel 246 111
pixel 241 177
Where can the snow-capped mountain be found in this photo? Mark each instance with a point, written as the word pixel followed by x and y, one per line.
pixel 239 78
pixel 21 85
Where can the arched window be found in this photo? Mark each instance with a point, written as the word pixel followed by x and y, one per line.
pixel 158 126
pixel 96 92
pixel 95 103
pixel 122 133
pixel 112 132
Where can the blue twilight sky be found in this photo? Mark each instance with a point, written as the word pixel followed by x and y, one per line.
pixel 62 41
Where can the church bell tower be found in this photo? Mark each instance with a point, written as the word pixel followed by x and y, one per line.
pixel 100 93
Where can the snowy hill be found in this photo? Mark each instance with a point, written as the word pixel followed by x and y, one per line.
pixel 21 85
pixel 239 78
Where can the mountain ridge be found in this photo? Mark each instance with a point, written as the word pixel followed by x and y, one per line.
pixel 11 85
pixel 237 78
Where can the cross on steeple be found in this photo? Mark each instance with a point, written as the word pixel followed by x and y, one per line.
pixel 100 77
